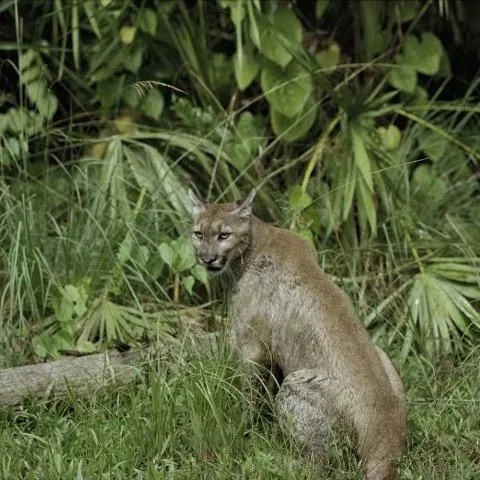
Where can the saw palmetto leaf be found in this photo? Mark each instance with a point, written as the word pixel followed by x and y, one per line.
pixel 107 321
pixel 439 312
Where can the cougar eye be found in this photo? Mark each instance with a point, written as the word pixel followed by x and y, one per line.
pixel 223 235
pixel 198 234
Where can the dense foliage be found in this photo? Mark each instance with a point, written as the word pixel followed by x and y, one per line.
pixel 357 120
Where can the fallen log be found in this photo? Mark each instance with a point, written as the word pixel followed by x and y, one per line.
pixel 69 374
pixel 60 378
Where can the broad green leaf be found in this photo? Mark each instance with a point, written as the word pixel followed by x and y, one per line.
pixel 125 249
pixel 430 185
pixel 155 265
pixel 249 126
pixel 329 57
pixel 292 129
pixel 185 254
pixel 35 123
pixel 285 20
pixel 31 74
pixel 27 59
pixel 17 121
pixel 127 34
pixel 423 176
pixel 247 140
pixel 65 337
pixel 287 90
pixel 47 105
pixel 62 308
pixel 390 137
pixel 36 90
pixel 141 256
pixel 320 7
pixel 188 283
pixel 299 199
pixel 433 145
pixel 246 67
pixel 403 77
pixel 10 150
pixel 166 253
pixel 423 55
pixel 200 273
pixel 147 21
pixel 131 97
pixel 133 58
pixel 419 96
pixel 277 37
pixel 77 297
pixel 153 103
pixel 432 48
pixel 361 157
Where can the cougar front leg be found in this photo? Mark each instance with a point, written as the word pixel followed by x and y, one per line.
pixel 256 370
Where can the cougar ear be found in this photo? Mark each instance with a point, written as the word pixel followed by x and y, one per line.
pixel 198 205
pixel 243 207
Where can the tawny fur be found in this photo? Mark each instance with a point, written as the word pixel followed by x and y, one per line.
pixel 288 315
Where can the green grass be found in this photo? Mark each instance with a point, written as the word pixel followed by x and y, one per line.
pixel 183 420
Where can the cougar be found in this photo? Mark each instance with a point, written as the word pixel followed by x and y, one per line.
pixel 289 317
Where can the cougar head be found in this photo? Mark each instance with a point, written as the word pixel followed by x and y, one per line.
pixel 220 231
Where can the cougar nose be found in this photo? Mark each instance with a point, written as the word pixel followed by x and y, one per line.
pixel 208 259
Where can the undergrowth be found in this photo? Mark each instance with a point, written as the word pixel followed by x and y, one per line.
pixel 185 419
